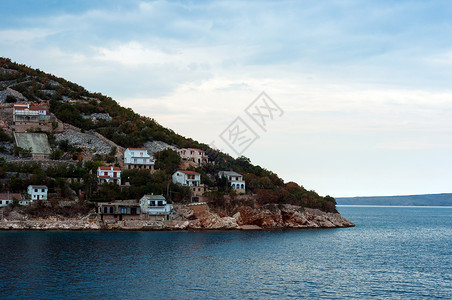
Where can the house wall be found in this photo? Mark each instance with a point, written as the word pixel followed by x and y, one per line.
pixel 116 217
pixel 162 217
pixel 112 175
pixel 183 179
pixel 239 186
pixel 197 191
pixel 149 167
pixel 195 155
pixel 4 202
pixel 40 194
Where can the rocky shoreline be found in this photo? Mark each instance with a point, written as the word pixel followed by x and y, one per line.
pixel 195 218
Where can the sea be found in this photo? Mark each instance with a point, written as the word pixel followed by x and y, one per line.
pixel 392 253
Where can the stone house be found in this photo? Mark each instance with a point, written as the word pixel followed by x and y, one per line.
pixel 37 192
pixel 235 180
pixel 192 154
pixel 109 174
pixel 138 158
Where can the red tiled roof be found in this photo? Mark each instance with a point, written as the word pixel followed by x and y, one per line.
pixel 104 176
pixel 109 169
pixel 190 172
pixel 31 108
pixel 37 108
pixel 10 196
pixel 196 149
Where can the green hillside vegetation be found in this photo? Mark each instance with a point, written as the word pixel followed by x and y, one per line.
pixel 129 129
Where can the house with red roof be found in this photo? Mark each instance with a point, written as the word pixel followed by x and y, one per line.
pixel 193 154
pixel 109 174
pixel 8 198
pixel 25 113
pixel 191 179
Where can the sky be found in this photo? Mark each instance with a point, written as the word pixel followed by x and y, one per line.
pixel 358 93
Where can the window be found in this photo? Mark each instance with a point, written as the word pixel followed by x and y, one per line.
pixel 1 202
pixel 105 173
pixel 160 203
pixel 36 190
pixel 43 190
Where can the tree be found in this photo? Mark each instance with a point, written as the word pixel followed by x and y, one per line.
pixel 16 184
pixel 167 160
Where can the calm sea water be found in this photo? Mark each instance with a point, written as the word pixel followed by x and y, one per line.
pixel 392 253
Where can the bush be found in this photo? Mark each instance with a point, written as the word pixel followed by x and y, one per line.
pixel 10 99
pixel 4 137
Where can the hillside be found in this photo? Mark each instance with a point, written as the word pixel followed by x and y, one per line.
pixel 90 129
pixel 411 200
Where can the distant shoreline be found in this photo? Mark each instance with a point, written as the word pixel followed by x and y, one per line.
pixel 389 206
pixel 444 199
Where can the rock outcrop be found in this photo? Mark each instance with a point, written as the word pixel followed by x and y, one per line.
pixel 50 224
pixel 194 217
pixel 86 140
pixel 271 217
pixel 290 216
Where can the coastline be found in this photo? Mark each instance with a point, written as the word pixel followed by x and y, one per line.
pixel 247 218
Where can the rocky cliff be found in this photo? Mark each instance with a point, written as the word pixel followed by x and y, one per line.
pixel 269 217
pixel 196 217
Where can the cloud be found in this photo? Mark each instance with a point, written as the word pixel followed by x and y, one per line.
pixel 24 35
pixel 353 77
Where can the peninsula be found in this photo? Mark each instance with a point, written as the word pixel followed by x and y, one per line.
pixel 75 160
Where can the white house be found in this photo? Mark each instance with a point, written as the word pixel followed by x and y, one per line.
pixel 235 180
pixel 7 198
pixel 138 158
pixel 109 174
pixel 191 179
pixel 192 154
pixel 155 205
pixel 187 178
pixel 37 192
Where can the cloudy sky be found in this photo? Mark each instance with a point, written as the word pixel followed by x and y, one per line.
pixel 364 86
